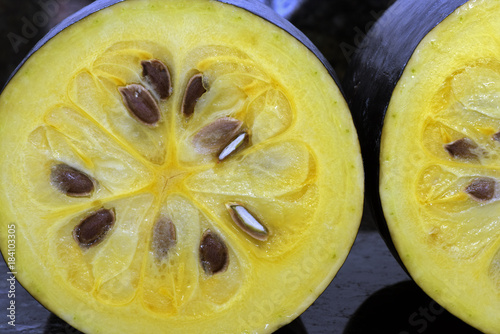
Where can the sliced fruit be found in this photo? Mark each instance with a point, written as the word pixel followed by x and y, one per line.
pixel 430 108
pixel 174 172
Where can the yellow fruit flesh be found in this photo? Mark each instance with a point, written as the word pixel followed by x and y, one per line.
pixel 300 175
pixel 448 240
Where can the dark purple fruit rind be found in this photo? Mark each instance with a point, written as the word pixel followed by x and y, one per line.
pixel 372 76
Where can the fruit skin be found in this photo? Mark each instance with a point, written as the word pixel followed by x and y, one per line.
pixel 253 7
pixel 372 76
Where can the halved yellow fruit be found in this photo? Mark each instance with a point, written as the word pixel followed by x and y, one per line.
pixel 440 167
pixel 177 167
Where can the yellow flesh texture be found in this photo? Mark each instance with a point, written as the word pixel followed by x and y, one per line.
pixel 448 240
pixel 300 174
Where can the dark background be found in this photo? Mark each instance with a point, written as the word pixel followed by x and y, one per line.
pixel 371 293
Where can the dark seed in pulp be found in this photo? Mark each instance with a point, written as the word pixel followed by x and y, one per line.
pixel 214 255
pixel 194 90
pixel 482 189
pixel 164 237
pixel 93 228
pixel 71 181
pixel 141 104
pixel 496 136
pixel 213 137
pixel 158 76
pixel 463 148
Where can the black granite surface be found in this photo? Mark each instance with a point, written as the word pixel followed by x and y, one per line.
pixel 370 294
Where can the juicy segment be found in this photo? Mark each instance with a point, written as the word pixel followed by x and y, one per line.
pixel 299 155
pixel 459 140
pixel 440 164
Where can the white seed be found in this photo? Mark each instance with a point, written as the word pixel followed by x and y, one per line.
pixel 247 222
pixel 233 146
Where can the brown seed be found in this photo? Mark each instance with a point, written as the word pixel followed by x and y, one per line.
pixel 71 181
pixel 213 137
pixel 463 148
pixel 496 136
pixel 164 237
pixel 214 255
pixel 194 90
pixel 158 76
pixel 482 189
pixel 93 228
pixel 247 222
pixel 141 104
